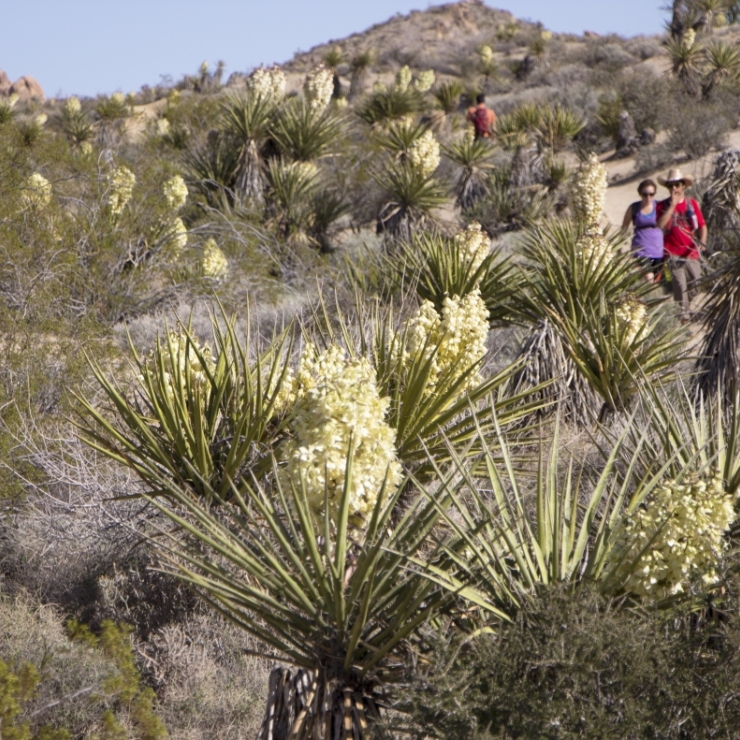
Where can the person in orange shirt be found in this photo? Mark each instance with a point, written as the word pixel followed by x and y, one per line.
pixel 482 118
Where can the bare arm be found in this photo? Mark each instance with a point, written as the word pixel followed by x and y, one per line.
pixel 703 234
pixel 665 217
pixel 627 219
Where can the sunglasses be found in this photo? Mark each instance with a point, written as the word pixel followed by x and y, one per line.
pixel 647 192
pixel 672 185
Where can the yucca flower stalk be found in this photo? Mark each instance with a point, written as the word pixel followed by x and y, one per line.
pixel 319 89
pixel 75 122
pixel 247 118
pixel 121 183
pixel 214 263
pixel 268 84
pixel 37 191
pixel 686 56
pixel 196 417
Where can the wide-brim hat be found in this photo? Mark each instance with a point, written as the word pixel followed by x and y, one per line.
pixel 675 175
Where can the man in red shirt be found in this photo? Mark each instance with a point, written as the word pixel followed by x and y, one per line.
pixel 482 118
pixel 681 219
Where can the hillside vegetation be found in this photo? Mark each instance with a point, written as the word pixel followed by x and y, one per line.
pixel 322 418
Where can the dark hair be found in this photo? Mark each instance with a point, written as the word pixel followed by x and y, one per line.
pixel 644 184
pixel 480 98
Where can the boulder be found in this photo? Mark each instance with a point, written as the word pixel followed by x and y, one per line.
pixel 4 84
pixel 27 89
pixel 647 137
pixel 627 141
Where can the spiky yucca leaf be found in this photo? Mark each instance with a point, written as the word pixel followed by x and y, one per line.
pixel 210 167
pixel 202 431
pixel 303 135
pixel 447 95
pixel 293 187
pixel 391 104
pixel 473 157
pixel 438 269
pixel 399 136
pixel 722 66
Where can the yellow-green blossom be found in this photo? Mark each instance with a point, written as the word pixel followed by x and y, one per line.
pixel 424 155
pixel 486 54
pixel 403 78
pixel 588 191
pixel 37 192
pixel 681 529
pixel 40 120
pixel 379 87
pixel 595 247
pixel 319 88
pixel 121 183
pixel 73 106
pixel 175 191
pixel 214 262
pixel 474 245
pixel 425 80
pixel 689 38
pixel 339 405
pixel 457 338
pixel 631 315
pixel 267 83
pixel 546 35
pixel 175 238
pixel 118 99
pixel 163 127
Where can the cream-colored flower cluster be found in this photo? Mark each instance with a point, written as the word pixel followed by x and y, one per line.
pixel 473 244
pixel 594 247
pixel 176 237
pixel 267 83
pixel 319 88
pixel 121 182
pixel 485 54
pixel 403 78
pixel 588 191
pixel 182 361
pixel 632 315
pixel 214 263
pixel 459 336
pixel 37 192
pixel 163 127
pixel 339 405
pixel 175 192
pixel 73 106
pixel 682 532
pixel 40 120
pixel 546 36
pixel 689 38
pixel 424 82
pixel 423 154
pixel 118 100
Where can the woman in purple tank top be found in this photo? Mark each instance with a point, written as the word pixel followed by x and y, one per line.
pixel 647 239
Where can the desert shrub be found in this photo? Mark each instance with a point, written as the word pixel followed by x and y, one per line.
pixel 608 56
pixel 650 99
pixel 576 665
pixel 697 129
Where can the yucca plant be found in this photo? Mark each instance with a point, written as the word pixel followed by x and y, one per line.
pixel 398 137
pixel 304 135
pixel 438 268
pixel 722 66
pixel 512 536
pixel 686 56
pixel 75 123
pixel 447 95
pixel 293 186
pixel 198 419
pixel 557 127
pixel 473 157
pixel 359 65
pixel 409 199
pixel 392 104
pixel 210 167
pixel 7 109
pixel 247 119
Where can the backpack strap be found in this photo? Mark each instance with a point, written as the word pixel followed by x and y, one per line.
pixel 635 207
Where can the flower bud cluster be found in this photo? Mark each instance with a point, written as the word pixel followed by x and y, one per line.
pixel 175 192
pixel 319 88
pixel 594 247
pixel 546 36
pixel 118 99
pixel 267 83
pixel 458 337
pixel 689 38
pixel 473 244
pixel 214 264
pixel 424 155
pixel 176 237
pixel 403 79
pixel 121 182
pixel 163 127
pixel 37 192
pixel 338 404
pixel 682 532
pixel 486 54
pixel 73 106
pixel 424 82
pixel 40 121
pixel 632 316
pixel 588 192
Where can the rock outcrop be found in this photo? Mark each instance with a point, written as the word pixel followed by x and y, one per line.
pixel 5 84
pixel 27 88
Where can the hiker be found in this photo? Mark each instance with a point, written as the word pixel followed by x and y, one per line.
pixel 681 218
pixel 647 239
pixel 482 118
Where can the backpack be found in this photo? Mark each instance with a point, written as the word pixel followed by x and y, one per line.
pixel 480 122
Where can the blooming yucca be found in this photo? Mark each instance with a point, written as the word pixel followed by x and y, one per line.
pixel 682 531
pixel 403 78
pixel 338 405
pixel 118 99
pixel 121 182
pixel 214 262
pixel 163 127
pixel 319 88
pixel 594 246
pixel 37 192
pixel 40 120
pixel 546 35
pixel 474 244
pixel 689 38
pixel 424 155
pixel 632 315
pixel 486 54
pixel 73 106
pixel 176 237
pixel 267 83
pixel 459 335
pixel 425 81
pixel 588 192
pixel 175 191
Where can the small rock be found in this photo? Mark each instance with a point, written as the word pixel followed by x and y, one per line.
pixel 647 137
pixel 591 35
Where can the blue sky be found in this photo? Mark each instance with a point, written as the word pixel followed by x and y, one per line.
pixel 86 47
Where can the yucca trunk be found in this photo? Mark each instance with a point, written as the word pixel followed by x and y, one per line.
pixel 303 705
pixel 471 188
pixel 398 222
pixel 250 183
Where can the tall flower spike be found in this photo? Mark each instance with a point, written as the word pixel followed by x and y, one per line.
pixel 403 78
pixel 424 154
pixel 338 405
pixel 474 245
pixel 175 191
pixel 588 192
pixel 37 192
pixel 121 183
pixel 319 88
pixel 215 264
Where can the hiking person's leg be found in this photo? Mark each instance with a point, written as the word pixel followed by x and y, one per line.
pixel 678 277
pixel 693 275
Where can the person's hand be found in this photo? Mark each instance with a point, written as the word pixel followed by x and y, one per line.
pixel 675 198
